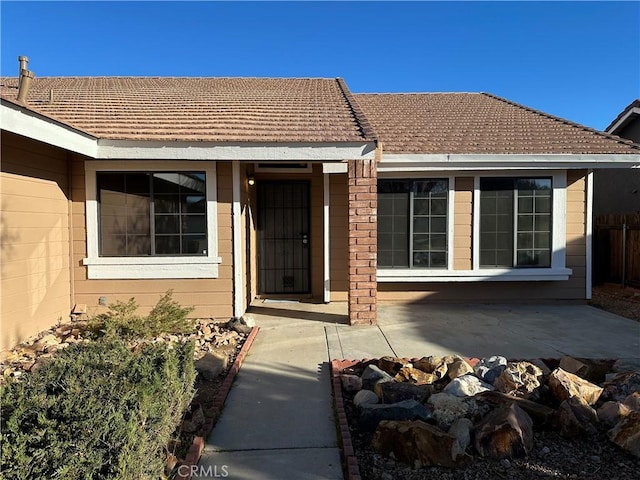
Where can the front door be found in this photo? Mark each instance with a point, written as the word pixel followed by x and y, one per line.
pixel 283 237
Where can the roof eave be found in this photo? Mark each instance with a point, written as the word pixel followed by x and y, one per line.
pixel 401 162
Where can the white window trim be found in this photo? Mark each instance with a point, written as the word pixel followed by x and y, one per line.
pixel 557 271
pixel 150 267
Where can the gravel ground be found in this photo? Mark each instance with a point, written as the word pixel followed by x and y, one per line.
pixel 585 458
pixel 615 299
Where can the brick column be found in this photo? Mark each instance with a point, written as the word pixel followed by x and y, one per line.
pixel 363 247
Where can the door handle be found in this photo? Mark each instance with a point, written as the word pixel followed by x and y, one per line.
pixel 305 238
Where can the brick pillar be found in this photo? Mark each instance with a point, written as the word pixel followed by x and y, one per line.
pixel 363 247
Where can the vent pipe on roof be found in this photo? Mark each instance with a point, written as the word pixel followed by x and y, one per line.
pixel 24 80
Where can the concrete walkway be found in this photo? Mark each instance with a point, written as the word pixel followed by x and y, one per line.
pixel 278 420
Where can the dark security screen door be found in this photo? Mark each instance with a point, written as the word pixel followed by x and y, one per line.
pixel 283 237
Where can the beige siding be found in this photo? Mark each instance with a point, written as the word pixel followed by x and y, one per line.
pixel 569 290
pixel 462 223
pixel 338 236
pixel 210 297
pixel 34 223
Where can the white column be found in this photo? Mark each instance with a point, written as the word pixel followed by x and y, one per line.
pixel 238 285
pixel 327 264
pixel 589 233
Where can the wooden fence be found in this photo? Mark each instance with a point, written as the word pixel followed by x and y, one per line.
pixel 616 249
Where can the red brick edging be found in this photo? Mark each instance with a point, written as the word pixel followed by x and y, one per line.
pixel 349 456
pixel 195 451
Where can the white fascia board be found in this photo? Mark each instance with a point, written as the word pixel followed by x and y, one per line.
pixel 29 124
pixel 445 162
pixel 255 152
pixel 619 123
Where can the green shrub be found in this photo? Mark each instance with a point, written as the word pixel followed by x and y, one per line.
pixel 123 321
pixel 96 411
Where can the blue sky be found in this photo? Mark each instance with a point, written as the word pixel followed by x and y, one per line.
pixel 577 60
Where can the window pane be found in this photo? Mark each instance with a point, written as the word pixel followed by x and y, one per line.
pixel 124 202
pixel 534 246
pixel 439 242
pixel 168 245
pixel 194 244
pixel 496 222
pixel 167 203
pixel 195 224
pixel 421 242
pixel 438 259
pixel 421 259
pixel 393 210
pixel 167 224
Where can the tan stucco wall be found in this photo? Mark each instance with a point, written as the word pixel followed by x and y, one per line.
pixel 338 237
pixel 34 235
pixel 210 297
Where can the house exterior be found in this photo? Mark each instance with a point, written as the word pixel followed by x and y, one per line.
pixel 618 191
pixel 229 189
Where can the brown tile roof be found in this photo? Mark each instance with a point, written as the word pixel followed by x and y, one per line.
pixel 200 109
pixel 478 123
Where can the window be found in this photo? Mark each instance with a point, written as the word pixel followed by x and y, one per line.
pixel 412 223
pixel 515 222
pixel 152 214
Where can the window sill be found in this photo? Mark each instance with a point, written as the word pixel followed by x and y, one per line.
pixel 488 275
pixel 122 268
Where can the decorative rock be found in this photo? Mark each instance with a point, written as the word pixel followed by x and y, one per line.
pixel 572 365
pixel 520 379
pixel 211 365
pixel 504 433
pixel 540 414
pixel 576 418
pixel 351 383
pixel 626 434
pixel 193 419
pixel 372 375
pixel 419 444
pixel 392 365
pixel 538 362
pixel 392 392
pixel 466 386
pixel 610 413
pixel 564 385
pixel 237 325
pixel 632 402
pixel 248 320
pixel 621 386
pixel 626 365
pixel 371 415
pixel 413 375
pixel 459 368
pixel 488 369
pixel 461 429
pixel 434 365
pixel 448 408
pixel 365 397
pixel 42 344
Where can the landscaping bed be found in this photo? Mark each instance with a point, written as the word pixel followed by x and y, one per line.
pixel 421 424
pixel 61 387
pixel 616 299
